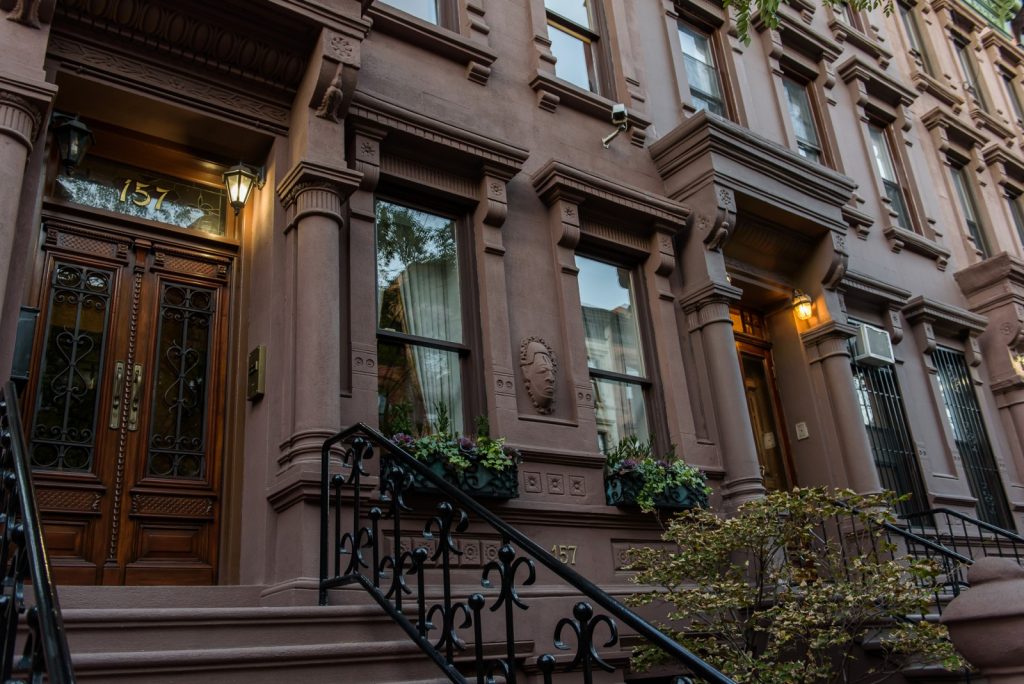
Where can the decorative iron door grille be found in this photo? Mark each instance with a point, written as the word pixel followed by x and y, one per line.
pixel 971 438
pixel 881 408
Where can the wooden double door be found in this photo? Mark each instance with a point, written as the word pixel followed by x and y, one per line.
pixel 125 403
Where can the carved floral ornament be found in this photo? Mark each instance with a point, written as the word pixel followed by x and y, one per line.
pixel 539 367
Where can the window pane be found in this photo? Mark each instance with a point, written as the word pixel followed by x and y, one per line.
pixel 573 10
pixel 895 194
pixel 1018 217
pixel 417 273
pixel 967 205
pixel 880 151
pixel 620 412
pixel 702 78
pixel 570 57
pixel 706 103
pixel 424 9
pixel 970 77
pixel 609 317
pixel 1011 92
pixel 802 118
pixel 696 45
pixel 418 380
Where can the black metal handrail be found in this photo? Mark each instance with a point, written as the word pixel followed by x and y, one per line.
pixel 23 558
pixel 393 566
pixel 974 538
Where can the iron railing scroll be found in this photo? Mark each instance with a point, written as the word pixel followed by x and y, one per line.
pixel 419 585
pixel 23 560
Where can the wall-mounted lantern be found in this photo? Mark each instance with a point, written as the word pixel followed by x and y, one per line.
pixel 239 181
pixel 73 139
pixel 803 305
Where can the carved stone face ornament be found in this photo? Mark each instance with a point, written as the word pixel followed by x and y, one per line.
pixel 539 367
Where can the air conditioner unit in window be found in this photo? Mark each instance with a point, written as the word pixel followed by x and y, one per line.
pixel 873 346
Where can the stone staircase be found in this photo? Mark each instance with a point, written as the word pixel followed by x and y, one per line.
pixel 162 635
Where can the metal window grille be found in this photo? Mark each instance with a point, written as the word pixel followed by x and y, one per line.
pixel 886 423
pixel 971 438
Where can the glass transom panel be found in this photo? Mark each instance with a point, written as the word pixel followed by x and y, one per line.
pixel 610 318
pixel 417 273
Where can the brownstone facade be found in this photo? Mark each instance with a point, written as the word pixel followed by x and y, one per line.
pixel 873 162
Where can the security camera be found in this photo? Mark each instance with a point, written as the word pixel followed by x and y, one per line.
pixel 620 118
pixel 620 115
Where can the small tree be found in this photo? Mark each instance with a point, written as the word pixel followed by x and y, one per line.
pixel 784 591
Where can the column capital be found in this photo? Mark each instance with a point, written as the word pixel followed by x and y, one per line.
pixel 709 293
pixel 829 339
pixel 22 108
pixel 312 189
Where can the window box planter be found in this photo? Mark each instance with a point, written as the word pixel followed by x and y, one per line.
pixel 478 480
pixel 624 490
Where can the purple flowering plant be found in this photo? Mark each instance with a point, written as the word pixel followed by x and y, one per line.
pixel 458 452
pixel 635 455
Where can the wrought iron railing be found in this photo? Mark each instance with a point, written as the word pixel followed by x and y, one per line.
pixel 416 585
pixel 23 560
pixel 965 535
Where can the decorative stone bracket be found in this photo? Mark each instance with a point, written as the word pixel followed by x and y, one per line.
pixel 31 13
pixel 725 219
pixel 336 82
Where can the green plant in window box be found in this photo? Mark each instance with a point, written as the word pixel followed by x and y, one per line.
pixel 633 475
pixel 481 466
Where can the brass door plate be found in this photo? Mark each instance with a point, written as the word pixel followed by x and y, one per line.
pixel 256 374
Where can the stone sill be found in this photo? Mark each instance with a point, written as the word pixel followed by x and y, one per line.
pixel 844 33
pixel 441 41
pixel 901 238
pixel 984 119
pixel 943 93
pixel 552 92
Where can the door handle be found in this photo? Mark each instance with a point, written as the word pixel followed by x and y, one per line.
pixel 136 398
pixel 115 403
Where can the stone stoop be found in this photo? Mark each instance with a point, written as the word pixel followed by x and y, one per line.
pixel 161 635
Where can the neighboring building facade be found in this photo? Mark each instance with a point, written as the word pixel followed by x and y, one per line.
pixel 441 226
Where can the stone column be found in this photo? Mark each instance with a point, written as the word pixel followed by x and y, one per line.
pixel 20 120
pixel 829 356
pixel 313 195
pixel 708 318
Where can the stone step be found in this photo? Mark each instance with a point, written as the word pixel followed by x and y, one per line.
pixel 96 630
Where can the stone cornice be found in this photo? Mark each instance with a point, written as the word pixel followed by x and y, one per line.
pixel 951 320
pixel 864 287
pixel 708 293
pixel 878 83
pixel 1009 167
pixel 555 179
pixel 707 134
pixel 497 154
pixel 951 127
pixel 1001 270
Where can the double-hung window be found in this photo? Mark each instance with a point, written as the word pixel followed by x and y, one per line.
pixel 802 117
pixel 1012 95
pixel 572 30
pixel 1017 215
pixel 614 351
pixel 914 40
pixel 969 208
pixel 971 84
pixel 421 341
pixel 886 168
pixel 703 77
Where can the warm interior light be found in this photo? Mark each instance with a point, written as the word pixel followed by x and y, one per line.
pixel 239 181
pixel 73 139
pixel 802 305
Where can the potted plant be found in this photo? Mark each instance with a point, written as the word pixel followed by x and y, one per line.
pixel 481 466
pixel 634 476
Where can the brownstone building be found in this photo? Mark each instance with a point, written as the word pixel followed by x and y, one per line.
pixel 441 207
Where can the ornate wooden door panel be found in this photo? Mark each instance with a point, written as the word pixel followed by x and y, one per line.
pixel 128 404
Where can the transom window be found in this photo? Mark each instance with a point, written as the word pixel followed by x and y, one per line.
pixel 572 32
pixel 699 62
pixel 420 336
pixel 886 168
pixel 614 351
pixel 803 120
